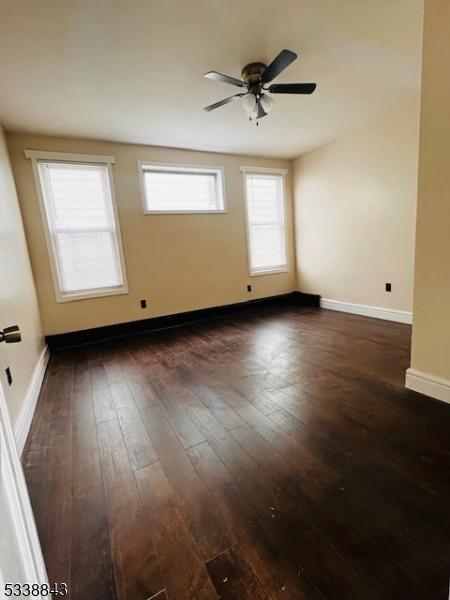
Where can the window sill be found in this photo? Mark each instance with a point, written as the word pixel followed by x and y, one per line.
pixel 61 298
pixel 185 212
pixel 269 272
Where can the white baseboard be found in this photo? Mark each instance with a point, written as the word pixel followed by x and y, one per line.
pixel 388 314
pixel 430 385
pixel 23 423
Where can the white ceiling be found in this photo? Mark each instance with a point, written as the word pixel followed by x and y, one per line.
pixel 131 70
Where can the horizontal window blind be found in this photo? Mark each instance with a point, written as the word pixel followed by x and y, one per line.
pixel 169 189
pixel 265 221
pixel 82 227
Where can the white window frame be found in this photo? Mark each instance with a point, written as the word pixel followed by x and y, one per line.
pixel 181 168
pixel 266 171
pixel 64 157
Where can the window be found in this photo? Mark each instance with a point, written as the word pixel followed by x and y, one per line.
pixel 266 234
pixel 179 189
pixel 81 225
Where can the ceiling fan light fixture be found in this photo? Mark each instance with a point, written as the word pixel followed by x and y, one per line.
pixel 249 104
pixel 267 102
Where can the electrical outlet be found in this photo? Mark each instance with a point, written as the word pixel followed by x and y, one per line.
pixel 388 287
pixel 144 303
pixel 249 288
pixel 8 375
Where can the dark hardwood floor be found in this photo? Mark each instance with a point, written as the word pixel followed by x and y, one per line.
pixel 273 454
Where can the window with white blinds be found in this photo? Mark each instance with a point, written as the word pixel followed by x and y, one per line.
pixel 82 229
pixel 266 235
pixel 177 189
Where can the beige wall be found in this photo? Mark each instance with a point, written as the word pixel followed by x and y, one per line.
pixel 18 303
pixel 431 324
pixel 177 262
pixel 355 206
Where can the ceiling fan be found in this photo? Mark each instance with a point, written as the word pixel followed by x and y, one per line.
pixel 255 78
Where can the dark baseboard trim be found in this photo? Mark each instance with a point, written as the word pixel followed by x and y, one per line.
pixel 63 341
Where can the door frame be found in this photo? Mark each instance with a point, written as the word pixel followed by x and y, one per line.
pixel 19 503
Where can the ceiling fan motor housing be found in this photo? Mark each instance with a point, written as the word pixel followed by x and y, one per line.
pixel 252 72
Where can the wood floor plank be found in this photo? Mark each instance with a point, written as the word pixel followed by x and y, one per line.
pixel 217 406
pixel 51 498
pixel 115 462
pixel 50 479
pixel 35 450
pixel 92 571
pixel 135 563
pixel 183 572
pixel 206 525
pixel 165 387
pixel 138 443
pixel 86 468
pixel 135 566
pixel 139 384
pixel 234 578
pixel 101 394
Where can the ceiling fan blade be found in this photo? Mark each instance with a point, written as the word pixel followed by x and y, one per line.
pixel 283 60
pixel 292 88
pixel 224 78
pixel 222 102
pixel 261 112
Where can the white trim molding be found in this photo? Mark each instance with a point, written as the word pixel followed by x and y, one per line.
pixel 430 385
pixel 388 314
pixel 15 493
pixel 23 424
pixel 267 170
pixel 70 156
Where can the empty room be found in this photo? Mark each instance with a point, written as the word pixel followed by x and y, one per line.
pixel 225 299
